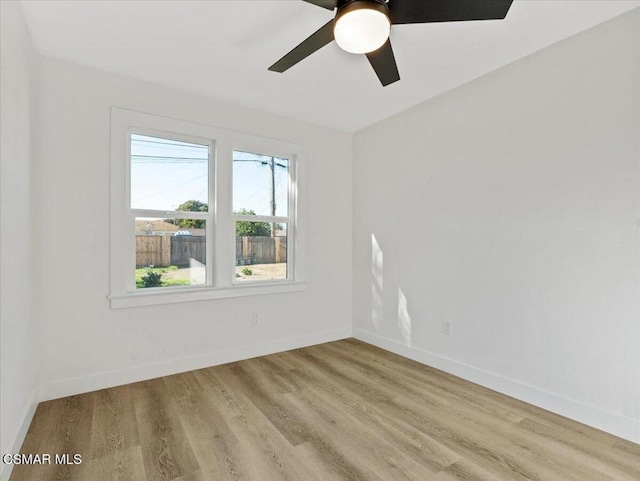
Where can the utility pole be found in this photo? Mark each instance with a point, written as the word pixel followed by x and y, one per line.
pixel 273 195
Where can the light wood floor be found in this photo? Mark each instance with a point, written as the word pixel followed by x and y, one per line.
pixel 342 410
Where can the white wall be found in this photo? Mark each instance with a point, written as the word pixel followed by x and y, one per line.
pixel 510 207
pixel 86 345
pixel 19 363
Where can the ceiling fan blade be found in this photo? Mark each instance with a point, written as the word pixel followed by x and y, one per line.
pixel 328 4
pixel 427 11
pixel 319 39
pixel 384 63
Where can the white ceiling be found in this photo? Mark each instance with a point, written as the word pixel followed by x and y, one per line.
pixel 222 49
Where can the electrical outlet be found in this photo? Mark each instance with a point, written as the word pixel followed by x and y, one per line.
pixel 446 328
pixel 254 319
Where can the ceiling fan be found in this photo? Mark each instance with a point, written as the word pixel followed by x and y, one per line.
pixel 363 26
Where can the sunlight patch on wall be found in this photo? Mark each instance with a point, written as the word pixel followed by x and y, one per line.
pixel 377 283
pixel 404 319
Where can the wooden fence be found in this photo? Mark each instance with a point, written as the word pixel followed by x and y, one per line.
pixel 185 248
pixel 153 250
pixel 261 250
pixel 163 251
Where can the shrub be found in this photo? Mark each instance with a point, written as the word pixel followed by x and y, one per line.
pixel 251 229
pixel 152 279
pixel 246 271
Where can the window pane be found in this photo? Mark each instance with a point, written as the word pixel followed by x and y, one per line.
pixel 167 174
pixel 260 184
pixel 259 256
pixel 170 252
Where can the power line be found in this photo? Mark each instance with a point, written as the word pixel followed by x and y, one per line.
pixel 176 143
pixel 165 157
pixel 170 188
pixel 263 162
pixel 196 196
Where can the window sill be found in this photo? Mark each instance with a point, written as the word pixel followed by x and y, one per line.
pixel 140 299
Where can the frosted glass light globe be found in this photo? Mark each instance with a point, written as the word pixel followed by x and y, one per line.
pixel 362 31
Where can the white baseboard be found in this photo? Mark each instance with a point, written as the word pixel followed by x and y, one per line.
pixel 624 427
pixel 93 382
pixel 18 439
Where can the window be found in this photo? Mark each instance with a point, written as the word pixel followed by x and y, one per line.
pixel 199 212
pixel 170 209
pixel 261 192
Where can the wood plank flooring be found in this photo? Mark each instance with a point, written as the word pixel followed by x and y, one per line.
pixel 338 411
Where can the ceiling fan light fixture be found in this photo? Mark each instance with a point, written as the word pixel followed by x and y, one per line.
pixel 362 26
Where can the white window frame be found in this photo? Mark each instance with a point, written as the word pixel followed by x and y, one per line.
pixel 220 229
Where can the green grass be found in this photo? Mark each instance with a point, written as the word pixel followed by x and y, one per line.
pixel 165 282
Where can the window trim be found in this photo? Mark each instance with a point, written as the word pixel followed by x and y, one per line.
pixel 220 230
